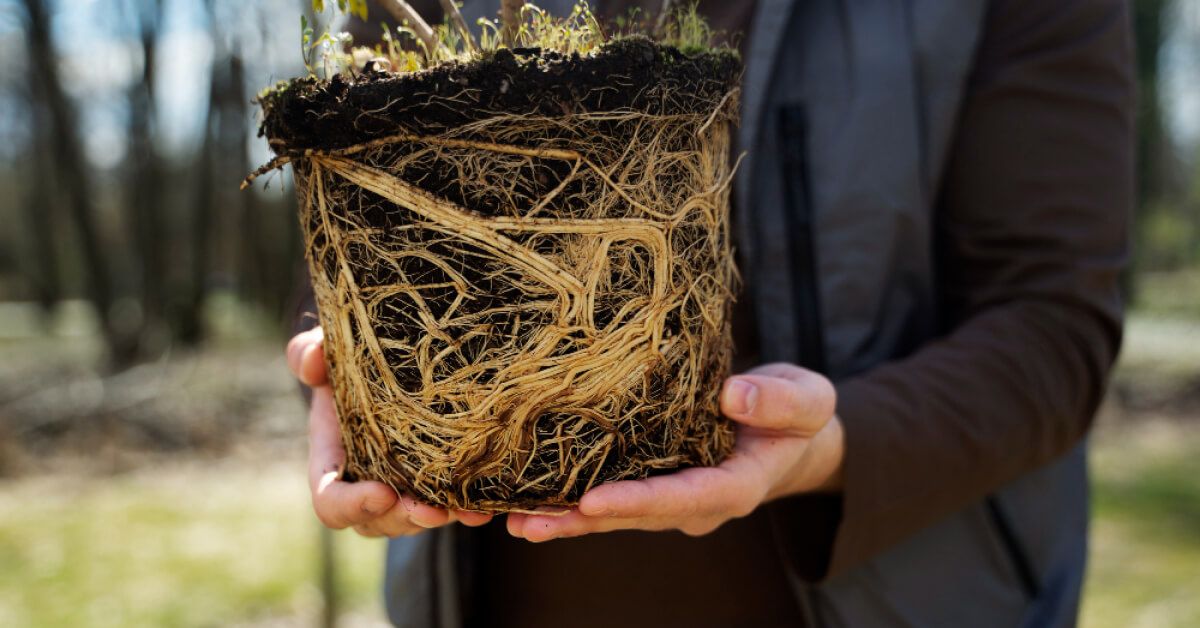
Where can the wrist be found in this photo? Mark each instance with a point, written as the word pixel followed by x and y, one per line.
pixel 819 469
pixel 832 451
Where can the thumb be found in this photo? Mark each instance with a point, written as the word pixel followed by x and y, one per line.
pixel 306 357
pixel 802 402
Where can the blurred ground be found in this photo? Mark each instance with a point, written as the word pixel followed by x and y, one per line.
pixel 174 494
pixel 1145 561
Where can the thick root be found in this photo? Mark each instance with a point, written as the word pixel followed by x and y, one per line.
pixel 554 318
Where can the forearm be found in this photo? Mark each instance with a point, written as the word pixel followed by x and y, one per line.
pixel 927 436
pixel 1032 228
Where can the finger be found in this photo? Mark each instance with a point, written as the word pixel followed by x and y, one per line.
pixel 386 526
pixel 542 528
pixel 423 515
pixel 471 518
pixel 395 522
pixel 325 450
pixel 338 504
pixel 341 504
pixel 313 372
pixel 679 496
pixel 367 530
pixel 515 523
pixel 300 343
pixel 797 400
pixel 782 370
pixel 534 527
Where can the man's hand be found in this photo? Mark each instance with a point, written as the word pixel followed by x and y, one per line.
pixel 371 508
pixel 788 442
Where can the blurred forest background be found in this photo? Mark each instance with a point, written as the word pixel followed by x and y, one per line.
pixel 151 440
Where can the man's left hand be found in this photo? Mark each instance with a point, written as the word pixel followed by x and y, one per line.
pixel 788 442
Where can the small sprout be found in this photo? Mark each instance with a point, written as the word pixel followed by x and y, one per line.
pixel 306 33
pixel 415 45
pixel 687 30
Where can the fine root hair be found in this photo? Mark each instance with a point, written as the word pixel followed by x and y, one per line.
pixel 526 306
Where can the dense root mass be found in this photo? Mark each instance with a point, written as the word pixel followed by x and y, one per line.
pixel 521 303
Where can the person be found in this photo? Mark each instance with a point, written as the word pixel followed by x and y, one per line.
pixel 932 221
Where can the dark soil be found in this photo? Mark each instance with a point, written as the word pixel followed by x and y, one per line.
pixel 632 73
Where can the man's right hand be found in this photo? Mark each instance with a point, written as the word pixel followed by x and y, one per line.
pixel 371 508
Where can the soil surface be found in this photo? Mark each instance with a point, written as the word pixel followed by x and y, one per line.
pixel 631 73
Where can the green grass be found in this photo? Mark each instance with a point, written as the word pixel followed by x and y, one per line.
pixel 1145 561
pixel 191 546
pixel 1145 565
pixel 233 542
pixel 1174 293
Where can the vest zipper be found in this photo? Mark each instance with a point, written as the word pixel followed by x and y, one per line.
pixel 799 222
pixel 1012 546
pixel 793 127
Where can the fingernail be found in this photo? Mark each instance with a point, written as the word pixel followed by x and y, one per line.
pixel 742 396
pixel 331 475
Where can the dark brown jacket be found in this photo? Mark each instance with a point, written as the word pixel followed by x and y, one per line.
pixel 935 213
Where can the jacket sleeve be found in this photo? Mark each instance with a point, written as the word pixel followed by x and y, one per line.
pixel 1031 225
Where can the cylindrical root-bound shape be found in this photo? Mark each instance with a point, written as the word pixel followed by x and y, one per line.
pixel 524 306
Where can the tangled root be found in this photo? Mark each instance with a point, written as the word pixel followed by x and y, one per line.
pixel 527 306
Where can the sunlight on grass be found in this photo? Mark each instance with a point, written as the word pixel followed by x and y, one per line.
pixel 207 542
pixel 180 547
pixel 226 543
pixel 1145 566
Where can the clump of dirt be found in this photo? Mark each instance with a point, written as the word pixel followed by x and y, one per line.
pixel 634 73
pixel 522 265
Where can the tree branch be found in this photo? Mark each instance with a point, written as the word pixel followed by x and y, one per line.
pixel 451 9
pixel 403 12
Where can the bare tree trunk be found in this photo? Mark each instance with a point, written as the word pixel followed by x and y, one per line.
pixel 67 153
pixel 256 267
pixel 1153 156
pixel 189 326
pixel 145 189
pixel 510 21
pixel 39 202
